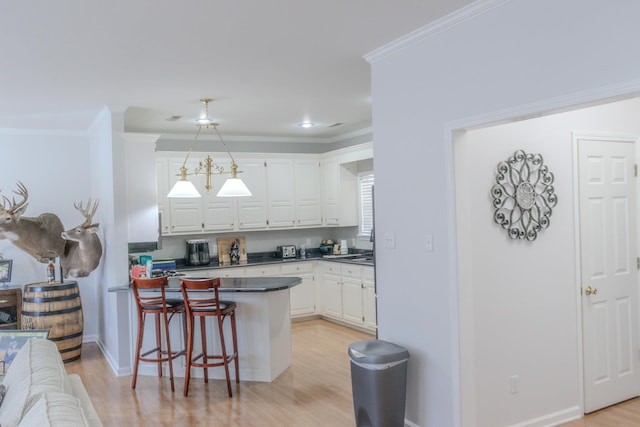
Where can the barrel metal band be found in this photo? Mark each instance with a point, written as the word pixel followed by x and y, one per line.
pixel 49 288
pixel 76 335
pixel 70 349
pixel 51 313
pixel 51 299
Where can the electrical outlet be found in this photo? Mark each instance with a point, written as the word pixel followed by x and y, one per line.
pixel 513 384
pixel 308 243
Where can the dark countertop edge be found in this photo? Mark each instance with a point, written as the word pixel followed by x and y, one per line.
pixel 255 261
pixel 292 281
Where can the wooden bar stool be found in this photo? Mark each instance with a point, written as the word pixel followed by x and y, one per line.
pixel 203 304
pixel 151 299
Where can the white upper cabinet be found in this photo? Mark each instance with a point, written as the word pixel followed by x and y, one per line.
pixel 162 189
pixel 307 192
pixel 300 190
pixel 186 213
pixel 219 212
pixel 280 188
pixel 340 193
pixel 252 210
pixel 142 210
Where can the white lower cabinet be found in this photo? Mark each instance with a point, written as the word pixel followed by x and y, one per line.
pixel 332 291
pixel 343 292
pixel 369 298
pixel 348 294
pixel 303 296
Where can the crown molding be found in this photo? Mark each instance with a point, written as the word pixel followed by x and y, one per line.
pixel 430 30
pixel 268 139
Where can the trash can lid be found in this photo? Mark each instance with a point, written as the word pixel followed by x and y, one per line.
pixel 377 352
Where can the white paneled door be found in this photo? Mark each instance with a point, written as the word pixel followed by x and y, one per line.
pixel 609 276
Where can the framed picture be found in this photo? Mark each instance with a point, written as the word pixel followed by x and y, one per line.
pixel 12 340
pixel 5 270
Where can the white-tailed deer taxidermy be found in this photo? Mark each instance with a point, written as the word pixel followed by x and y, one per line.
pixel 38 236
pixel 83 248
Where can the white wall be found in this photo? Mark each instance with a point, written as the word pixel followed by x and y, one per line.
pixel 523 317
pixel 517 58
pixel 55 169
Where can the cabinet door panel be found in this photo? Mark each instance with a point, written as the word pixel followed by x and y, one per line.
pixel 252 210
pixel 352 300
pixel 219 212
pixel 307 184
pixel 332 296
pixel 186 213
pixel 280 188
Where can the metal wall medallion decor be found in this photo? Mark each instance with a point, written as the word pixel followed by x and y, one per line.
pixel 523 195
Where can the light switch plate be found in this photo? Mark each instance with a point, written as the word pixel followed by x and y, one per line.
pixel 429 243
pixel 390 241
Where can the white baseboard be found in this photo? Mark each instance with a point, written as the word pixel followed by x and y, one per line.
pixel 553 419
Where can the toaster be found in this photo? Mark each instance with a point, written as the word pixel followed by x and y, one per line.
pixel 286 251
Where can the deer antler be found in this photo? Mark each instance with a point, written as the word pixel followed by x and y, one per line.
pixel 22 191
pixel 85 212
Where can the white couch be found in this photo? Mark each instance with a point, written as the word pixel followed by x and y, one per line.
pixel 40 393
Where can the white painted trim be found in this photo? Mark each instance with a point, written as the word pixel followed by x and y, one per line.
pixel 266 139
pixel 572 101
pixel 40 132
pixel 555 418
pixel 430 30
pixel 602 95
pixel 140 137
pixel 119 372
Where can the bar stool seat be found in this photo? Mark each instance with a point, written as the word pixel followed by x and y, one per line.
pixel 202 304
pixel 151 299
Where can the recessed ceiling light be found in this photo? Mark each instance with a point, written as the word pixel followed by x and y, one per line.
pixel 306 125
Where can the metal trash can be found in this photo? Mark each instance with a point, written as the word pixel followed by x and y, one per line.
pixel 379 382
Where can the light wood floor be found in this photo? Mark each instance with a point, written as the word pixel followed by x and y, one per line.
pixel 314 391
pixel 625 414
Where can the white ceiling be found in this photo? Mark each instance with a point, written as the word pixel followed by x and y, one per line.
pixel 269 65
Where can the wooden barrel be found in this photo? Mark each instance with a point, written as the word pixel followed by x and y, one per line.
pixel 58 308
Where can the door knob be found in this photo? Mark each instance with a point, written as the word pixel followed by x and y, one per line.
pixel 590 291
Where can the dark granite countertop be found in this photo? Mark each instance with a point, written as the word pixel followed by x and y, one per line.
pixel 263 258
pixel 240 284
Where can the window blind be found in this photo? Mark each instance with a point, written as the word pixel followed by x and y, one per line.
pixel 366 204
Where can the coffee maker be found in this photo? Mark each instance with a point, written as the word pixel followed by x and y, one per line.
pixel 197 252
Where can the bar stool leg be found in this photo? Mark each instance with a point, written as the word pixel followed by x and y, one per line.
pixel 189 355
pixel 169 354
pixel 225 360
pixel 158 343
pixel 203 339
pixel 138 349
pixel 235 345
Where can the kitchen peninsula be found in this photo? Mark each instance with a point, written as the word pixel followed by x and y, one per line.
pixel 263 327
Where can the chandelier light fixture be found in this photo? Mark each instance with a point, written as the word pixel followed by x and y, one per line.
pixel 233 186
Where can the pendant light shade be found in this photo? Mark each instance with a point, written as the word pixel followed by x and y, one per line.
pixel 184 189
pixel 234 187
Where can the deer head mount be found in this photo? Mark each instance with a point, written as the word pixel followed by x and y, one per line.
pixel 38 236
pixel 83 248
pixel 43 237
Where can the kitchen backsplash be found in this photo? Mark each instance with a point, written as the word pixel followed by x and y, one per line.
pixel 266 241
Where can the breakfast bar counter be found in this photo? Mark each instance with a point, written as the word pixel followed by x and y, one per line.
pixel 263 327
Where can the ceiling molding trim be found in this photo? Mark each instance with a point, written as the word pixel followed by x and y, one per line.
pixel 140 137
pixel 42 132
pixel 430 30
pixel 267 139
pixel 572 101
